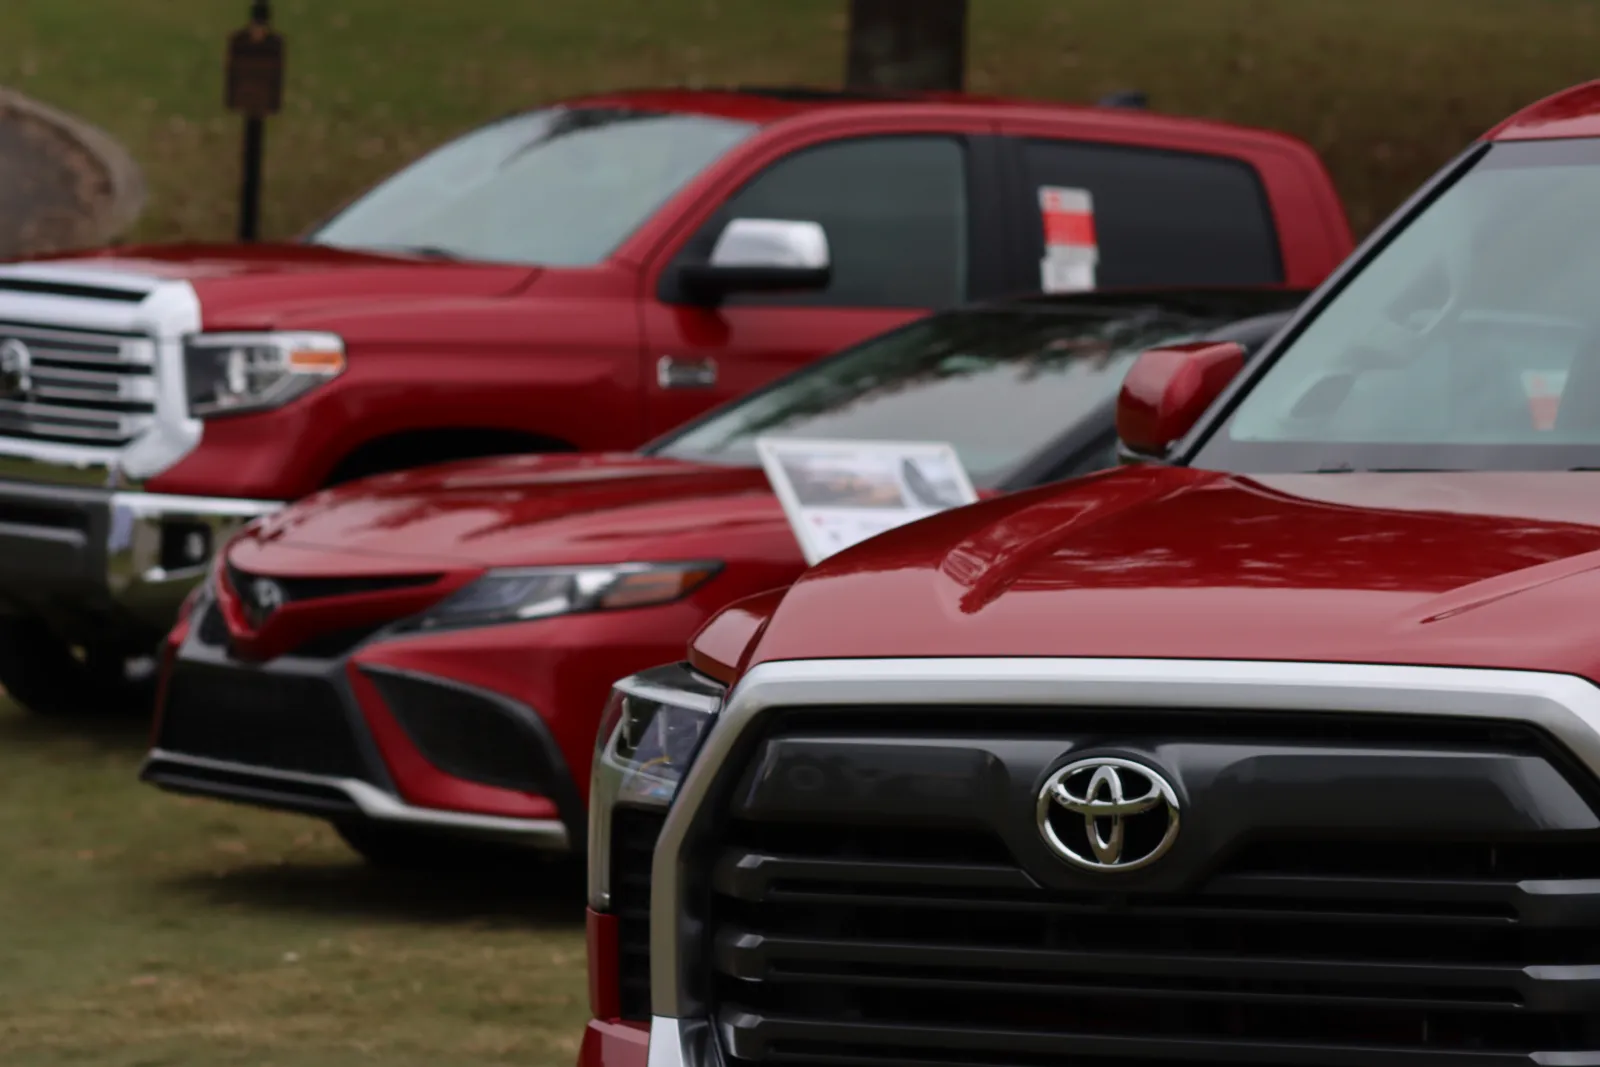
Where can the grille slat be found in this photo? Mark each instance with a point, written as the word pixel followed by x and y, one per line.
pixel 83 387
pixel 857 934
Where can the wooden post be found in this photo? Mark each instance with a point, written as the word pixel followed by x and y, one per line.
pixel 907 45
pixel 255 90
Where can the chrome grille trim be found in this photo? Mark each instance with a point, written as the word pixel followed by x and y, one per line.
pixel 1565 706
pixel 107 374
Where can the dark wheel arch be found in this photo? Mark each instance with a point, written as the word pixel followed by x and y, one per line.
pixel 419 448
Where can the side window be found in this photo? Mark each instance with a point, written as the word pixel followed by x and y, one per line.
pixel 894 209
pixel 1161 217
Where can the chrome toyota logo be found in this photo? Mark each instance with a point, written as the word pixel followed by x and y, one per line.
pixel 1107 814
pixel 266 596
pixel 16 370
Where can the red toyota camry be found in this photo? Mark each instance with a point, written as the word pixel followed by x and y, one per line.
pixel 422 658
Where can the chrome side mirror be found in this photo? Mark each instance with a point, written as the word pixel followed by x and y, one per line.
pixel 762 255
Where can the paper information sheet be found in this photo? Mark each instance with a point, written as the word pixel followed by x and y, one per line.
pixel 838 493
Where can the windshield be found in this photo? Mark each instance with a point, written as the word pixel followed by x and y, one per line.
pixel 561 187
pixel 1000 385
pixel 1472 341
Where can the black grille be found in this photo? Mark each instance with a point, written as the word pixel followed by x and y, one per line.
pixel 633 843
pixel 260 719
pixel 469 735
pixel 296 589
pixel 837 939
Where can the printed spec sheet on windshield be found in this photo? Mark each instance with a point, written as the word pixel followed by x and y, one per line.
pixel 838 493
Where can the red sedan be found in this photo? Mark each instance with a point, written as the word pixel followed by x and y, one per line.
pixel 422 658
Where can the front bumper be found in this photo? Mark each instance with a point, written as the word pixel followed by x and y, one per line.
pixel 318 736
pixel 99 561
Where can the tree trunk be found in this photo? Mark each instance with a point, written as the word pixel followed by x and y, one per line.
pixel 907 45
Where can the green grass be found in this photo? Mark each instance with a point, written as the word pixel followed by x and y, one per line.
pixel 139 929
pixel 1385 89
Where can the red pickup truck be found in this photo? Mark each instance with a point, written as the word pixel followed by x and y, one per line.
pixel 577 277
pixel 1282 747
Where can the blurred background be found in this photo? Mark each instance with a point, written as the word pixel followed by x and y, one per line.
pixel 1386 90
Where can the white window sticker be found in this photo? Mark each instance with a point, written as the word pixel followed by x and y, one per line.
pixel 838 493
pixel 1071 251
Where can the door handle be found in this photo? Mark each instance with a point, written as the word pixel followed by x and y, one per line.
pixel 674 373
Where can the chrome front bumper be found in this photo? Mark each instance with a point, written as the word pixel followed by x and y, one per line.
pixel 122 557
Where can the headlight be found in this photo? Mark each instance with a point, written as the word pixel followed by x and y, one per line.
pixel 236 372
pixel 650 734
pixel 540 592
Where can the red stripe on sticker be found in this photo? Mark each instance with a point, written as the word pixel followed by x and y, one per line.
pixel 1061 228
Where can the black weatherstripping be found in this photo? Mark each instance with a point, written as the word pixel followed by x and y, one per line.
pixel 1344 889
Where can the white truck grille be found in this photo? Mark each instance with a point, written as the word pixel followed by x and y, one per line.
pixel 75 387
pixel 91 369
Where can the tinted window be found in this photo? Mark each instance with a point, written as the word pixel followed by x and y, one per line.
pixel 999 385
pixel 559 187
pixel 1471 341
pixel 895 211
pixel 1163 218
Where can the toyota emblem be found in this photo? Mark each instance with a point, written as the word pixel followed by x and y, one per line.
pixel 267 597
pixel 1108 814
pixel 16 370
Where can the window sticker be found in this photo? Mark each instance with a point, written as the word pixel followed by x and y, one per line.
pixel 1070 250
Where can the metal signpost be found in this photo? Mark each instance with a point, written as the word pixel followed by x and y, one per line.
pixel 255 90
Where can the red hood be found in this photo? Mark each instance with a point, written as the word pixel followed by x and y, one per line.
pixel 247 287
pixel 523 511
pixel 1482 569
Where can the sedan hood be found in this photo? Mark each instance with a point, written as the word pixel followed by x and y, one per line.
pixel 1484 569
pixel 522 511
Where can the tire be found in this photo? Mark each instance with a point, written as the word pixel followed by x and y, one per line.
pixel 44 674
pixel 413 851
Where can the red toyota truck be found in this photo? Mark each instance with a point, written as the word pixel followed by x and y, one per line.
pixel 577 277
pixel 1281 747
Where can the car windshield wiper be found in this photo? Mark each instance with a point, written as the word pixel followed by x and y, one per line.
pixel 430 251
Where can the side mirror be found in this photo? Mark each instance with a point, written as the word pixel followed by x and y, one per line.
pixel 1168 389
pixel 762 255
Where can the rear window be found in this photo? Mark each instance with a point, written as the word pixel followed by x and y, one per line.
pixel 1164 218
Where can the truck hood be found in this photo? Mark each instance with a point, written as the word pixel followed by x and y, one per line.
pixel 1479 569
pixel 243 287
pixel 522 511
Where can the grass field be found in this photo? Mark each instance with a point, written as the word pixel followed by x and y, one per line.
pixel 1385 89
pixel 139 929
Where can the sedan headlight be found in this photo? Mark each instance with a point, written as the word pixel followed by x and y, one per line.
pixel 650 734
pixel 523 593
pixel 229 373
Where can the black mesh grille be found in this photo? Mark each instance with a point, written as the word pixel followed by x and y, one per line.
pixel 633 842
pixel 467 735
pixel 834 942
pixel 296 589
pixel 260 719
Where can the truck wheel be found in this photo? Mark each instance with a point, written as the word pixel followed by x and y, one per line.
pixel 404 848
pixel 45 675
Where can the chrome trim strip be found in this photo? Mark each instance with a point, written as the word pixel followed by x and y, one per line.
pixel 666 1043
pixel 376 804
pixel 1565 706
